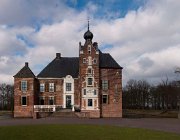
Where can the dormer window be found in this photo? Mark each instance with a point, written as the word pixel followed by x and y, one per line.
pixel 84 60
pixel 89 49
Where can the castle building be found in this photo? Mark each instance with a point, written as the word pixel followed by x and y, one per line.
pixel 90 84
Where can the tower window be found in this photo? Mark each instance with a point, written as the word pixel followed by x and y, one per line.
pixel 95 61
pixel 95 92
pixel 89 70
pixel 90 103
pixel 84 60
pixel 89 49
pixel 84 91
pixel 90 81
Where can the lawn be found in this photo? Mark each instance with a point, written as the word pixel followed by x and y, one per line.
pixel 81 132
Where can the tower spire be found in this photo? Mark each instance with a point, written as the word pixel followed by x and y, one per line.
pixel 88 23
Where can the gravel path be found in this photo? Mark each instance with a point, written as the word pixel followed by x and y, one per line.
pixel 167 125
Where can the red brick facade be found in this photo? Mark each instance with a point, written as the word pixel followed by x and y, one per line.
pixel 96 90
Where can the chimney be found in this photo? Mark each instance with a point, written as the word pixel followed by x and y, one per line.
pixel 58 55
pixel 26 64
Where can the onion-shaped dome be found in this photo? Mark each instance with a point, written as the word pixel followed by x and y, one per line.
pixel 88 35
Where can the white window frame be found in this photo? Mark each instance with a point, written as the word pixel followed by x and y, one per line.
pixel 22 86
pixel 88 81
pixel 105 84
pixel 42 87
pixel 51 87
pixel 70 86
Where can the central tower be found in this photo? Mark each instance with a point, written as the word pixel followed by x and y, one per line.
pixel 89 75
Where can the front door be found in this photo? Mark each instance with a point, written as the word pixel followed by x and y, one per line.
pixel 68 101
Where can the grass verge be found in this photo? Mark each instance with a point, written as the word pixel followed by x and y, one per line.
pixel 81 132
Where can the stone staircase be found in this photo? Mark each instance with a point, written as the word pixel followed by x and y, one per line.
pixel 66 113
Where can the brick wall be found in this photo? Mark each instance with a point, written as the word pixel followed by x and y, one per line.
pixel 114 106
pixel 19 110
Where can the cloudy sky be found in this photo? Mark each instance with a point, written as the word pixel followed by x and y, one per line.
pixel 142 35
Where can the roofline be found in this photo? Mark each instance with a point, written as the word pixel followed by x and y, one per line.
pixel 51 78
pixel 110 68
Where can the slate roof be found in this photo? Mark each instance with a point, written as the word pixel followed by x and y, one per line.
pixel 107 61
pixel 25 72
pixel 60 67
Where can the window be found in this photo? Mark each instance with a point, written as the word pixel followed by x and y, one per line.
pixel 89 49
pixel 105 99
pixel 24 85
pixel 104 84
pixel 90 81
pixel 42 87
pixel 95 61
pixel 90 102
pixel 41 101
pixel 89 70
pixel 51 100
pixel 116 89
pixel 84 91
pixel 68 86
pixel 51 87
pixel 95 92
pixel 84 60
pixel 24 101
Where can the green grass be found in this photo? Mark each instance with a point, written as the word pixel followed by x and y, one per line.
pixel 81 132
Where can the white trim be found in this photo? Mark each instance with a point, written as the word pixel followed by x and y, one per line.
pixel 68 79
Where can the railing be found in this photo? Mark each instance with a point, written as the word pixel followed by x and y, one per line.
pixel 47 108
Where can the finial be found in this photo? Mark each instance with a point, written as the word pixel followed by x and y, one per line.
pixel 88 23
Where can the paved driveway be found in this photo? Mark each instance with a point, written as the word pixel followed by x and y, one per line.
pixel 164 124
